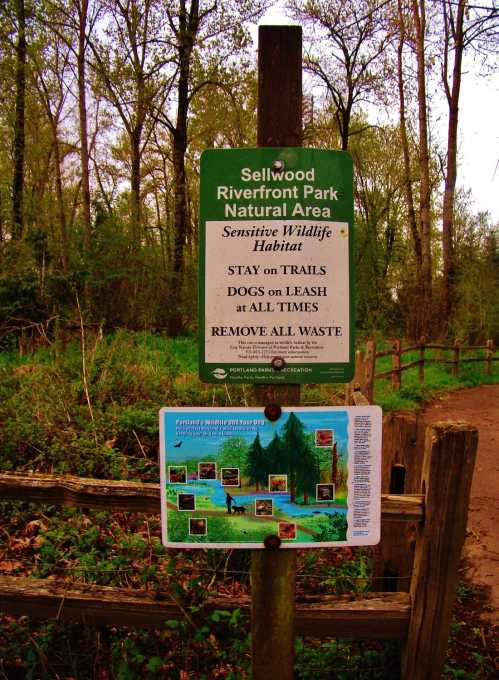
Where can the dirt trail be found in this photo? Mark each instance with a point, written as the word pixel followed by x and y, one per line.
pixel 480 407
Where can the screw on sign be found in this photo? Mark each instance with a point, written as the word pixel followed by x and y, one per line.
pixel 278 363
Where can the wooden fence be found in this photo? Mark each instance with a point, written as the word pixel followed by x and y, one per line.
pixel 366 375
pixel 420 617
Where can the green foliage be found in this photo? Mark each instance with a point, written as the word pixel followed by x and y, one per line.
pixel 332 528
pixel 347 660
pixel 233 452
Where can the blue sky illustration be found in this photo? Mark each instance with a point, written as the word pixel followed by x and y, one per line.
pixel 200 439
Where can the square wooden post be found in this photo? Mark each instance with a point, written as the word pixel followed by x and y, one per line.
pixel 396 362
pixel 273 573
pixel 455 360
pixel 489 353
pixel 449 460
pixel 421 360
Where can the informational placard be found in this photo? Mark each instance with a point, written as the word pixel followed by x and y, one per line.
pixel 276 266
pixel 231 477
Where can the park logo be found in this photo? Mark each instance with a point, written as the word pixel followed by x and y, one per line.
pixel 220 373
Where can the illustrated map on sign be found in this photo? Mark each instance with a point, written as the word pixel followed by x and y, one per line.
pixel 230 477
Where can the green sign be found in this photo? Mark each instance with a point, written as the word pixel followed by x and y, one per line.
pixel 276 282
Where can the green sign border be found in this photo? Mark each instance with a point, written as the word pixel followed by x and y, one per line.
pixel 223 166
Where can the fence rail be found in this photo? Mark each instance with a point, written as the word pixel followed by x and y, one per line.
pixel 366 374
pixel 340 615
pixel 138 497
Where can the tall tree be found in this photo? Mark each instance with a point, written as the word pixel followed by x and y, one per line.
pixel 129 66
pixel 418 10
pixel 81 9
pixel 464 25
pixel 257 467
pixel 276 456
pixel 206 35
pixel 407 174
pixel 296 452
pixel 19 122
pixel 352 41
pixel 52 87
pixel 74 22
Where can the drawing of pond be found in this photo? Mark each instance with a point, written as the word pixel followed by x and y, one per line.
pixel 216 493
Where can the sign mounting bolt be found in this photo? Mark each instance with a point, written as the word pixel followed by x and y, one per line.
pixel 278 363
pixel 278 165
pixel 272 412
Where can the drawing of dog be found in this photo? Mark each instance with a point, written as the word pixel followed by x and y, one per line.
pixel 238 509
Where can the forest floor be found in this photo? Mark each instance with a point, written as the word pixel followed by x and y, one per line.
pixel 479 406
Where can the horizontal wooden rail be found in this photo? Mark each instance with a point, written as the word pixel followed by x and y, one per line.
pixel 412 348
pixel 419 362
pixel 138 497
pixel 411 364
pixel 384 374
pixel 386 353
pixel 325 616
pixel 82 492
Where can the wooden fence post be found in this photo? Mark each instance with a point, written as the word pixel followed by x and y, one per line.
pixel 489 353
pixel 400 473
pixel 455 364
pixel 369 370
pixel 450 452
pixel 359 378
pixel 421 360
pixel 273 573
pixel 396 362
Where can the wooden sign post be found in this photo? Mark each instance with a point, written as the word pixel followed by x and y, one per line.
pixel 273 573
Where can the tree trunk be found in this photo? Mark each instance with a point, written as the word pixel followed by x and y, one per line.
pixel 82 108
pixel 409 195
pixel 451 169
pixel 19 132
pixel 188 27
pixel 60 198
pixel 135 160
pixel 1 220
pixel 418 12
pixel 344 126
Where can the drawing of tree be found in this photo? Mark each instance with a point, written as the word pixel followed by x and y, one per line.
pixel 276 456
pixel 257 465
pixel 296 450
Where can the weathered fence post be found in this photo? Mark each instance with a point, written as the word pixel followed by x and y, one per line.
pixel 400 473
pixel 369 369
pixel 273 573
pixel 449 459
pixel 396 362
pixel 359 379
pixel 489 353
pixel 455 360
pixel 421 360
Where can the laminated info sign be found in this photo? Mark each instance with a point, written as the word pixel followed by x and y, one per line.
pixel 276 266
pixel 230 477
